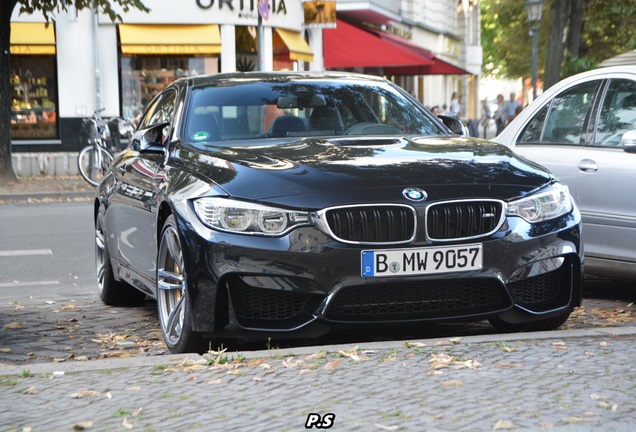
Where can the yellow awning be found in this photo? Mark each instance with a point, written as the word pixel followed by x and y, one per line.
pixel 32 38
pixel 169 39
pixel 298 47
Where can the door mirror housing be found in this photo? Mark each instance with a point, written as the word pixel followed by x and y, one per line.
pixel 628 141
pixel 151 140
pixel 455 125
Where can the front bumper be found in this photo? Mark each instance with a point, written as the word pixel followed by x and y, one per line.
pixel 305 282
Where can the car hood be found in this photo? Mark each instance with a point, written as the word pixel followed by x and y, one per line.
pixel 365 169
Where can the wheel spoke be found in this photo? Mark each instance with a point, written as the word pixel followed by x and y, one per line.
pixel 173 248
pixel 163 283
pixel 175 319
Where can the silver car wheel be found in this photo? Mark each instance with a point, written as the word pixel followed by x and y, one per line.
pixel 100 255
pixel 171 285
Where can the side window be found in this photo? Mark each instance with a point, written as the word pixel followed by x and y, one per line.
pixel 532 131
pixel 567 115
pixel 617 114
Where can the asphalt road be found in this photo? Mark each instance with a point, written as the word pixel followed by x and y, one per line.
pixel 46 250
pixel 50 310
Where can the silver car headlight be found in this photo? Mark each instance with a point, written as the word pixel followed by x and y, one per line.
pixel 247 218
pixel 547 204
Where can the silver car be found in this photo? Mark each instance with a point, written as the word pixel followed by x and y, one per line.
pixel 583 129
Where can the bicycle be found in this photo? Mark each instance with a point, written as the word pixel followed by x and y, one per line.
pixel 95 159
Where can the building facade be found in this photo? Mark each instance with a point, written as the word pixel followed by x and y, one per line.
pixel 83 63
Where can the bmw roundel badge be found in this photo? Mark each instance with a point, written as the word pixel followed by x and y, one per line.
pixel 414 194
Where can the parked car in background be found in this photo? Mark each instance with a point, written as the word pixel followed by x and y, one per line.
pixel 288 204
pixel 583 130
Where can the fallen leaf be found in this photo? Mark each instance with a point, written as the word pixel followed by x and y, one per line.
pixel 508 349
pixel 434 372
pixel 304 371
pixel 603 344
pixel 31 391
pixel 453 383
pixel 332 365
pixel 575 420
pixel 503 424
pixel 256 362
pixel 265 366
pixel 14 325
pixel 257 379
pixel 386 428
pixel 82 425
pixel 414 344
pixel 290 362
pixel 85 393
pixel 135 388
pixel 216 381
pixel 126 424
pixel 5 350
pixel 137 412
pixel 318 355
pixel 546 424
pixel 502 364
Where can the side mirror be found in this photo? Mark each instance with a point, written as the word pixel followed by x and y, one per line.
pixel 455 125
pixel 628 141
pixel 150 140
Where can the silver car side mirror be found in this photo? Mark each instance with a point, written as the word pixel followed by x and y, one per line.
pixel 628 141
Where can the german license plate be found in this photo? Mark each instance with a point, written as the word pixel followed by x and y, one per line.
pixel 404 262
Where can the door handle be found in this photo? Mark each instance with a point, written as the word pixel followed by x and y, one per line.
pixel 588 165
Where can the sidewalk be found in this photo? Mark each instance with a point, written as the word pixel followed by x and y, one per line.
pixel 46 189
pixel 551 381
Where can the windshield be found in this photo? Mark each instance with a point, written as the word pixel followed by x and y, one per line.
pixel 250 110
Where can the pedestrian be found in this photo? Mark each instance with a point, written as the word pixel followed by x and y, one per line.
pixel 486 115
pixel 455 108
pixel 511 108
pixel 500 114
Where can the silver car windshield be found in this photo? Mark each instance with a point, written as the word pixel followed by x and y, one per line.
pixel 298 108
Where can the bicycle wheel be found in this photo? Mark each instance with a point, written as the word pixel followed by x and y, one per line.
pixel 94 163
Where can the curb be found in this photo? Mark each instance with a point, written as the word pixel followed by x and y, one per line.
pixel 151 361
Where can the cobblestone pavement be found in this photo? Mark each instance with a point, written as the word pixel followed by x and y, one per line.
pixel 86 365
pixel 569 380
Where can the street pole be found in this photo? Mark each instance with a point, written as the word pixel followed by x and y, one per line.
pixel 534 32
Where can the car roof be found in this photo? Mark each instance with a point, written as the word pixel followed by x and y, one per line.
pixel 237 77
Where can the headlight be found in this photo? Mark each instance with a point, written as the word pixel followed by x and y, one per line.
pixel 547 204
pixel 247 218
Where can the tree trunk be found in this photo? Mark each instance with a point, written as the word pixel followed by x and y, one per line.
pixel 559 14
pixel 576 28
pixel 6 166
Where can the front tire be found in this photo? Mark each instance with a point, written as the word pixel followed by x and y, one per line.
pixel 111 291
pixel 173 302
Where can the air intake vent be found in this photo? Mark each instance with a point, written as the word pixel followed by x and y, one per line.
pixel 461 220
pixel 387 224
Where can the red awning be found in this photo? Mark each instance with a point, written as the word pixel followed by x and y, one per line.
pixel 348 46
pixel 438 67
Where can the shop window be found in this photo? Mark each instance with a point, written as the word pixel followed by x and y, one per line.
pixel 142 77
pixel 33 97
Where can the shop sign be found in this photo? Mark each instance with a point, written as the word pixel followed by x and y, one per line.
pixel 173 49
pixel 245 8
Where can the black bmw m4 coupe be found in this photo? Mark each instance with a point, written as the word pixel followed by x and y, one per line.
pixel 258 205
